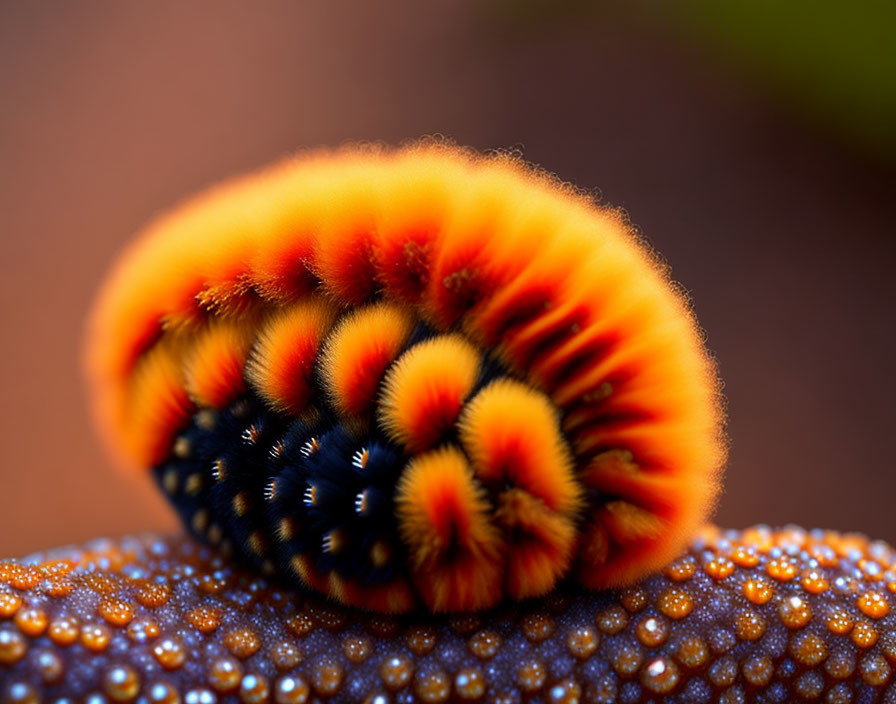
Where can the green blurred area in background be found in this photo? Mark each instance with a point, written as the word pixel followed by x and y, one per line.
pixel 831 64
pixel 836 61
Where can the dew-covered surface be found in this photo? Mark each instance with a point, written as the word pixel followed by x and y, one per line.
pixel 758 615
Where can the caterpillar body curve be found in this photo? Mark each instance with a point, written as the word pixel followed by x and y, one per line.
pixel 413 377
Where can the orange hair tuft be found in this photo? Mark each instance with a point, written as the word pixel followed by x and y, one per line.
pixel 512 436
pixel 358 353
pixel 281 365
pixel 425 391
pixel 444 519
pixel 214 370
pixel 158 405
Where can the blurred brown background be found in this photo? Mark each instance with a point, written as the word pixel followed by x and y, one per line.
pixel 770 195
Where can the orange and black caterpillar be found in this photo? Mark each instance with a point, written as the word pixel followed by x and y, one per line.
pixel 420 376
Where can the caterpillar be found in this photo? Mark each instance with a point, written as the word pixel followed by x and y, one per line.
pixel 411 378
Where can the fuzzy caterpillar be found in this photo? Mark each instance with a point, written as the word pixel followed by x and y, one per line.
pixel 411 377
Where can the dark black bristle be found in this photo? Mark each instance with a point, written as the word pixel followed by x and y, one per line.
pixel 490 370
pixel 242 476
pixel 420 333
pixel 317 490
pixel 237 498
pixel 186 482
pixel 383 464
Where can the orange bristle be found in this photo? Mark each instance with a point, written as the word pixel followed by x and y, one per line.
pixel 461 275
pixel 303 568
pixel 229 299
pixel 343 263
pixel 525 346
pixel 404 262
pixel 628 523
pixel 489 241
pixel 542 545
pixel 410 223
pixel 158 405
pixel 213 370
pixel 343 250
pixel 425 389
pixel 359 351
pixel 654 505
pixel 510 433
pixel 279 271
pixel 282 361
pixel 443 517
pixel 510 307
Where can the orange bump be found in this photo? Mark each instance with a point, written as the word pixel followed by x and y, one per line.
pixel 213 370
pixel 116 612
pixel 31 621
pixel 719 568
pixel 874 605
pixel 158 405
pixel 758 591
pixel 425 390
pixel 456 553
pixel 512 436
pixel 358 353
pixel 281 364
pixel 781 569
pixel 9 604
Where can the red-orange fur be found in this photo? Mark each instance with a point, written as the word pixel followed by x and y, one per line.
pixel 358 353
pixel 425 390
pixel 443 517
pixel 282 362
pixel 554 286
pixel 214 369
pixel 158 405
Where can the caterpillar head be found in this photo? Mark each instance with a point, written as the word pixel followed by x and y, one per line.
pixel 411 377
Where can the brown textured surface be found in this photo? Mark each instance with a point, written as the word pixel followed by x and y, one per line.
pixel 751 616
pixel 113 111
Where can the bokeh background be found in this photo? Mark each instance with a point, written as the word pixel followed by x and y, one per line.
pixel 753 144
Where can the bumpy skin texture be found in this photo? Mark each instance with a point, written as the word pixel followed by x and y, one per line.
pixel 413 376
pixel 757 615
